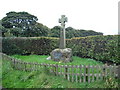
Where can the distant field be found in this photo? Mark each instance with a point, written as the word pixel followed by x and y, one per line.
pixel 42 59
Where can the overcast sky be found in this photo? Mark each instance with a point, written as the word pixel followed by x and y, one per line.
pixel 97 15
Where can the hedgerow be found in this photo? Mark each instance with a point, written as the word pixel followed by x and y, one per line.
pixel 105 48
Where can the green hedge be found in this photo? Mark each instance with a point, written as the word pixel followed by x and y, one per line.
pixel 103 48
pixel 25 45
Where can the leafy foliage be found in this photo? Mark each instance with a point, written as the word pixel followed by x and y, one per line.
pixel 22 24
pixel 24 45
pixel 55 31
pixel 21 20
pixel 111 83
pixel 103 48
pixel 71 32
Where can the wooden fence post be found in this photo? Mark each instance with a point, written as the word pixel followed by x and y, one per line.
pixel 16 64
pixel 13 63
pixel 88 73
pixel 22 68
pixel 80 73
pixel 101 72
pixel 66 70
pixel 56 69
pixel 53 71
pixel 76 73
pixel 84 78
pixel 50 67
pixel 93 73
pixel 39 66
pixel 114 69
pixel 72 73
pixel 30 66
pixel 19 65
pixel 45 67
pixel 68 77
pixel 104 72
pixel 60 69
pixel 97 73
pixel 110 70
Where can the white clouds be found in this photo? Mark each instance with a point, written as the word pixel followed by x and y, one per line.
pixel 98 15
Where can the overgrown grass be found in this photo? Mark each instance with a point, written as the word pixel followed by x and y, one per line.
pixel 20 79
pixel 76 61
pixel 42 59
pixel 12 78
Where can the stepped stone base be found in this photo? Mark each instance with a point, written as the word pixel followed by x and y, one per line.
pixel 63 55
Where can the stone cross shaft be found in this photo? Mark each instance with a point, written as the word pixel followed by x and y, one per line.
pixel 62 32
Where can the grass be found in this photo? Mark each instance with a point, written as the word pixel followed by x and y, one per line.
pixel 20 79
pixel 12 78
pixel 76 61
pixel 42 59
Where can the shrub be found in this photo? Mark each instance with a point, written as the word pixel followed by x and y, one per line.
pixel 24 45
pixel 111 83
pixel 105 48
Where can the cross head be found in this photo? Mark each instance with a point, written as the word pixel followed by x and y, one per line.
pixel 63 20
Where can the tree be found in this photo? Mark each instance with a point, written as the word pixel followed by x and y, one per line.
pixel 8 34
pixel 37 30
pixel 71 32
pixel 18 23
pixel 55 31
pixel 2 29
pixel 23 24
pixel 19 19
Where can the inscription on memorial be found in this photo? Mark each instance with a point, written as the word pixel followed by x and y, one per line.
pixel 57 55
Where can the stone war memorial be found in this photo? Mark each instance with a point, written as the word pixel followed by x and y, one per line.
pixel 62 54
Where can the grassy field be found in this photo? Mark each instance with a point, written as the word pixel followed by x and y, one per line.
pixel 20 79
pixel 42 59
